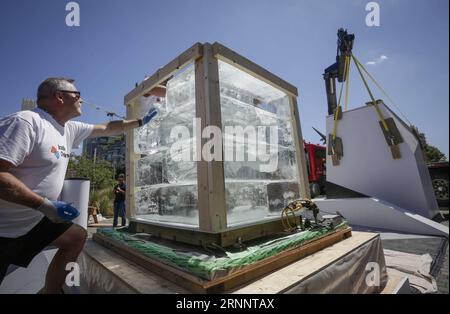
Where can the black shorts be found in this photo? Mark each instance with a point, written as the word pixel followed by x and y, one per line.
pixel 21 251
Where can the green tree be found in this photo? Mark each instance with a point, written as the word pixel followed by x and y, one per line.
pixel 432 153
pixel 101 174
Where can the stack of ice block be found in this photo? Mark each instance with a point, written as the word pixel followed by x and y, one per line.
pixel 167 184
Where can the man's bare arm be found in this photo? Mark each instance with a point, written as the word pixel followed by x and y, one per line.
pixel 13 190
pixel 119 127
pixel 114 128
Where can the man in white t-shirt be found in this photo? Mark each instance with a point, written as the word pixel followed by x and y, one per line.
pixel 35 146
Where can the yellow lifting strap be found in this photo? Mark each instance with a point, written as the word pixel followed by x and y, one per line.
pixel 382 90
pixel 346 75
pixel 335 122
pixel 373 80
pixel 380 115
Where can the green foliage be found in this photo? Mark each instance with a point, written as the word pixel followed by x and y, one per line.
pixel 103 200
pixel 101 174
pixel 432 153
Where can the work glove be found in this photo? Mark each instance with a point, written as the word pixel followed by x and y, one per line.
pixel 58 211
pixel 148 117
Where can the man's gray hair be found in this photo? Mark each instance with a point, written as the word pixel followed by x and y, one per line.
pixel 50 86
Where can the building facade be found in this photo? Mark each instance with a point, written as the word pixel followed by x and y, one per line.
pixel 28 104
pixel 109 148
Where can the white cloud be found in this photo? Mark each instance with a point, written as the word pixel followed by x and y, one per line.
pixel 378 60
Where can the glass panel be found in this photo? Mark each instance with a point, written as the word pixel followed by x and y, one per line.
pixel 166 185
pixel 260 166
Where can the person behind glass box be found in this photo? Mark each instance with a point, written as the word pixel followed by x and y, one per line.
pixel 119 201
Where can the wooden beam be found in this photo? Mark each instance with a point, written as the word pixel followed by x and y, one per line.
pixel 302 172
pixel 202 238
pixel 130 161
pixel 283 280
pixel 164 73
pixel 210 174
pixel 225 54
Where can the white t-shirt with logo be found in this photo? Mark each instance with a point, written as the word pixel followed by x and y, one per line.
pixel 39 147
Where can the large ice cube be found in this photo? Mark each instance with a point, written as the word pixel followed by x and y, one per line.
pixel 166 178
pixel 181 89
pixel 176 109
pixel 181 166
pixel 151 170
pixel 168 203
pixel 263 182
pixel 255 200
pixel 246 89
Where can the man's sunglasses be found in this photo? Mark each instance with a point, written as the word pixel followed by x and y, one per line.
pixel 71 91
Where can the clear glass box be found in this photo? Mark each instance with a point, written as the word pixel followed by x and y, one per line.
pixel 254 173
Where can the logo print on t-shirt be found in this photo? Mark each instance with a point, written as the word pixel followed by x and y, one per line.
pixel 59 152
pixel 55 151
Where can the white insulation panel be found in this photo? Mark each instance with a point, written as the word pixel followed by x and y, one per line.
pixel 368 167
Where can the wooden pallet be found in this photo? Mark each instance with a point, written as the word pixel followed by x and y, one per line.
pixel 231 281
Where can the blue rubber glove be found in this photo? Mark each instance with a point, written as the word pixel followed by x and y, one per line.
pixel 58 211
pixel 149 116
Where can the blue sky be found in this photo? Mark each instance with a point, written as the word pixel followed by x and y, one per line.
pixel 119 42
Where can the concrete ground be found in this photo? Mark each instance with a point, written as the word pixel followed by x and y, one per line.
pixel 424 245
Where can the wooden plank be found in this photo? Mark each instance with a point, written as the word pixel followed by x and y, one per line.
pixel 201 238
pixel 172 274
pixel 130 160
pixel 398 138
pixel 225 54
pixel 210 174
pixel 302 172
pixel 289 276
pixel 275 262
pixel 202 165
pixel 165 72
pixel 250 232
pixel 396 285
pixel 173 233
pixel 238 278
pixel 136 277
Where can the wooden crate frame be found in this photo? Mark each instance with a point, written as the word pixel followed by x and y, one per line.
pixel 210 175
pixel 229 282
